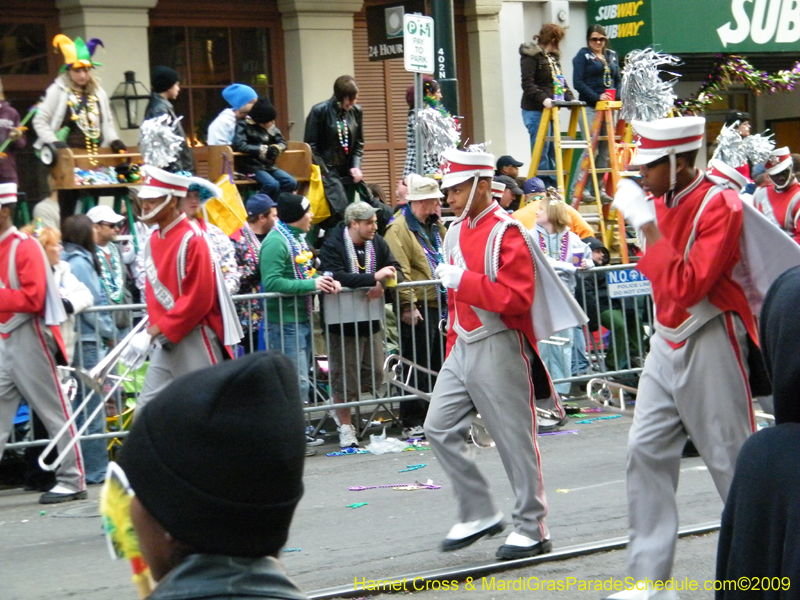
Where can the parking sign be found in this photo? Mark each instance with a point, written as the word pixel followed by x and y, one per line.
pixel 418 52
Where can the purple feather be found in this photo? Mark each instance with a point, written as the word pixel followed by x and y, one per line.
pixel 94 43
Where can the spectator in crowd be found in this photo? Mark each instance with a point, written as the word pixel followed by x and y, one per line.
pixel 257 136
pixel 758 533
pixel 358 258
pixel 75 111
pixel 620 316
pixel 744 126
pixel 508 165
pixel 208 526
pixel 166 87
pixel 780 203
pixel 112 270
pixel 48 211
pixel 415 238
pixel 335 133
pixel 760 176
pixel 596 76
pixel 261 216
pixel 534 195
pixel 287 267
pixel 9 131
pixel 222 250
pixel 401 191
pixel 512 193
pixel 432 120
pixel 28 356
pixel 241 99
pixel 542 83
pixel 566 253
pixel 96 330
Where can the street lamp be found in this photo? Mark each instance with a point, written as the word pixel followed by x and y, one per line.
pixel 130 101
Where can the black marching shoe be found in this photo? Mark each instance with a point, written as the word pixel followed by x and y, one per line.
pixel 462 535
pixel 520 546
pixel 60 494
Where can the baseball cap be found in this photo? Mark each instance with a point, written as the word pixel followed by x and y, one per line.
pixel 507 161
pixel 511 184
pixel 422 188
pixel 102 213
pixel 258 204
pixel 533 185
pixel 359 211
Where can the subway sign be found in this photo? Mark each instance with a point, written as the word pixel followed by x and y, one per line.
pixel 700 26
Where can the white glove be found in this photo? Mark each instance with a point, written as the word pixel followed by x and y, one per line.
pixel 136 352
pixel 450 275
pixel 632 202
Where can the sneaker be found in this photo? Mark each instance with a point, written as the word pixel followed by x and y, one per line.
pixel 413 432
pixel 311 441
pixel 347 436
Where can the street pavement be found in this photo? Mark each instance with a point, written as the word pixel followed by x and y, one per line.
pixel 62 552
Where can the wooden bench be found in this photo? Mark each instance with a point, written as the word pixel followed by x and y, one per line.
pixel 295 160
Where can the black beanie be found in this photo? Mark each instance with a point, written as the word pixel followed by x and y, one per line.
pixel 292 207
pixel 163 78
pixel 217 457
pixel 262 111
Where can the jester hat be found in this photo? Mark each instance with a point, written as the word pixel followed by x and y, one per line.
pixel 77 54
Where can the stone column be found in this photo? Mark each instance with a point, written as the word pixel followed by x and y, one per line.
pixel 122 26
pixel 486 73
pixel 318 41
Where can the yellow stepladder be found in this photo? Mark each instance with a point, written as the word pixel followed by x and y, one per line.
pixel 564 148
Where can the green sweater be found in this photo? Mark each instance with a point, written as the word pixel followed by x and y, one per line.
pixel 277 275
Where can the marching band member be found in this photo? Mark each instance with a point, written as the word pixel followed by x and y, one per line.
pixel 492 366
pixel 30 343
pixel 697 378
pixel 780 202
pixel 191 314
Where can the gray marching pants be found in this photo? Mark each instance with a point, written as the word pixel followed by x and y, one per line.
pixel 700 390
pixel 492 377
pixel 28 370
pixel 200 348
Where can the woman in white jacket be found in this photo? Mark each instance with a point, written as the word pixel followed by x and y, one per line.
pixel 74 294
pixel 566 253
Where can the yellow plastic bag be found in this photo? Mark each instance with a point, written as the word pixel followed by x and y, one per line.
pixel 227 213
pixel 316 195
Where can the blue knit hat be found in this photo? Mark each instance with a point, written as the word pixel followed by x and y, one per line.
pixel 238 94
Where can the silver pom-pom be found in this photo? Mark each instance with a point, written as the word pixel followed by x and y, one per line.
pixel 478 147
pixel 730 147
pixel 757 147
pixel 645 97
pixel 158 143
pixel 439 131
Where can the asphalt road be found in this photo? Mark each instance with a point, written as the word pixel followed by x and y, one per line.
pixel 62 553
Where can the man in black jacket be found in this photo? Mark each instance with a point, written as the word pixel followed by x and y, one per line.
pixel 336 136
pixel 358 258
pixel 166 87
pixel 257 136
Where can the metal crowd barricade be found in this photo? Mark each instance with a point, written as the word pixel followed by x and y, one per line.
pixel 389 364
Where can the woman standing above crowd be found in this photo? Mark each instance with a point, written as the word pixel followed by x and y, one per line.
pixel 596 76
pixel 542 83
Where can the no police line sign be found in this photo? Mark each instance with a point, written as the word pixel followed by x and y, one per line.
pixel 626 283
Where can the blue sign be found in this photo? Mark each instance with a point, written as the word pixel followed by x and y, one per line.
pixel 628 282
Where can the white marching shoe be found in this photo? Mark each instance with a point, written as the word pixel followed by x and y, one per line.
pixel 462 535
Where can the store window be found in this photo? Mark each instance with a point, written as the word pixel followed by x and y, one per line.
pixel 208 59
pixel 23 49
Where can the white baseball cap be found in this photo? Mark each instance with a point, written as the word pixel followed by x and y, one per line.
pixel 102 213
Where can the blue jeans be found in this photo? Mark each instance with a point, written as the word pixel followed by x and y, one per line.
pixel 558 359
pixel 532 118
pixel 275 181
pixel 95 452
pixel 295 341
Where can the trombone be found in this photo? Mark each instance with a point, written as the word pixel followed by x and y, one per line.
pixel 94 380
